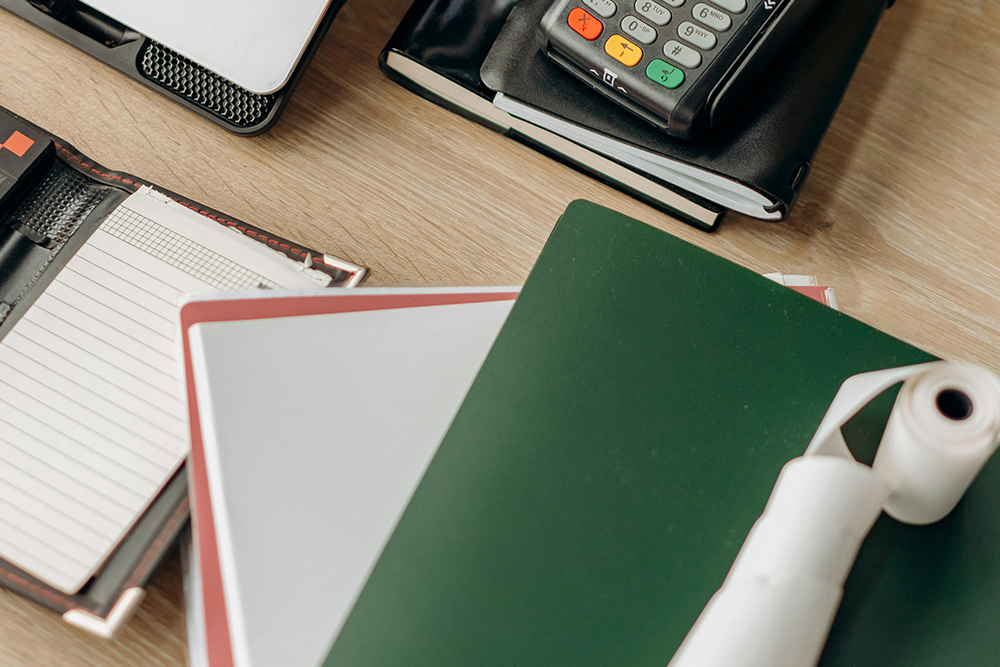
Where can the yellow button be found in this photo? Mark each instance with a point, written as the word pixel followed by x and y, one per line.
pixel 623 50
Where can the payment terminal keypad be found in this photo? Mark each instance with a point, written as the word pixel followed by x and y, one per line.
pixel 651 54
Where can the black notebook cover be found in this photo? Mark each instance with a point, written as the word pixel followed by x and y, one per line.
pixel 768 144
pixel 452 38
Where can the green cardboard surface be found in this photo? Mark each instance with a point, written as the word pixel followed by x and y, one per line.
pixel 617 446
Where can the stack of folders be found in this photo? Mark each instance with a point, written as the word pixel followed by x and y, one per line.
pixel 294 570
pixel 561 474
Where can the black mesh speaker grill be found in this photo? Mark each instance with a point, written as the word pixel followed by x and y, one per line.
pixel 59 204
pixel 203 87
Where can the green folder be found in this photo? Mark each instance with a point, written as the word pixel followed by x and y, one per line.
pixel 617 446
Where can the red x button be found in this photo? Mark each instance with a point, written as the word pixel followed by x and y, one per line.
pixel 585 24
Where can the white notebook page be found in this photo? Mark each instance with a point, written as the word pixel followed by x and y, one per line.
pixel 92 419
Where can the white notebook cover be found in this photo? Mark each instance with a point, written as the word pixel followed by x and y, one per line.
pixel 253 43
pixel 314 429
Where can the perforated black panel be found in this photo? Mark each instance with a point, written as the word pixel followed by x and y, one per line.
pixel 59 204
pixel 203 87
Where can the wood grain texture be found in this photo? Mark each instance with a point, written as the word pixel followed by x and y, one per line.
pixel 899 213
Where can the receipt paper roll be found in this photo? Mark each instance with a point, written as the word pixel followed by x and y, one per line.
pixel 779 599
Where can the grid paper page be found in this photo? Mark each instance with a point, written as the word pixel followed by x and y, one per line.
pixel 92 419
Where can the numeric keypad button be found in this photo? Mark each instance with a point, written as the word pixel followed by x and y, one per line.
pixel 682 55
pixel 584 24
pixel 623 51
pixel 642 32
pixel 604 8
pixel 712 17
pixel 666 75
pixel 653 11
pixel 700 37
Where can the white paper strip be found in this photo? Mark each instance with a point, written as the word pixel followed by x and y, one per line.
pixel 776 605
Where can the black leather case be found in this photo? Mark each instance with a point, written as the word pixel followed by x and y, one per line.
pixel 453 38
pixel 59 202
pixel 767 144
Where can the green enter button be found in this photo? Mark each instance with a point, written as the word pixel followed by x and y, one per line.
pixel 664 74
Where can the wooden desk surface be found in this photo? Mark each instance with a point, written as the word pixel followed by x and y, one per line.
pixel 899 213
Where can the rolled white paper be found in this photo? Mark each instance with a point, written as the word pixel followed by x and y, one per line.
pixel 928 458
pixel 779 599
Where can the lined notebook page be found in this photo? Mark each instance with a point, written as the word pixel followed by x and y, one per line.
pixel 92 419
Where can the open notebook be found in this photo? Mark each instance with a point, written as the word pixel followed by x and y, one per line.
pixel 92 418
